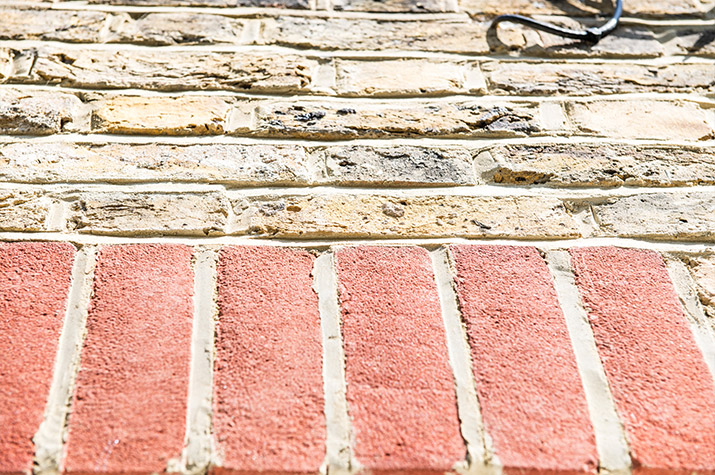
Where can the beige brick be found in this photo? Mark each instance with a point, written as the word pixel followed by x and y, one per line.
pixel 148 213
pixel 598 165
pixel 300 4
pixel 681 216
pixel 702 269
pixel 160 115
pixel 176 29
pixel 626 42
pixel 371 120
pixel 393 6
pixel 403 77
pixel 637 8
pixel 695 41
pixel 24 210
pixel 244 165
pixel 384 216
pixel 641 119
pixel 170 71
pixel 454 36
pixel 542 78
pixel 37 112
pixel 51 25
pixel 398 165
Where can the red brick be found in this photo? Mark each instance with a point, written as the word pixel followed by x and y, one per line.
pixel 660 382
pixel 400 388
pixel 532 398
pixel 268 385
pixel 34 284
pixel 129 408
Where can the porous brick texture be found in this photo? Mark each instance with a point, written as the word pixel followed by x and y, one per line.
pixel 345 237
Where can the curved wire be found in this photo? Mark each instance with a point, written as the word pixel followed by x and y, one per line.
pixel 592 35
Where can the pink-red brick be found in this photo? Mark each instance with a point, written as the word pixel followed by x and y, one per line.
pixel 129 407
pixel 34 284
pixel 268 385
pixel 659 380
pixel 400 388
pixel 532 398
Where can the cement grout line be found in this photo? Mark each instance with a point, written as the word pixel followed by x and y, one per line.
pixel 610 435
pixel 688 295
pixel 52 433
pixel 480 454
pixel 198 451
pixel 339 457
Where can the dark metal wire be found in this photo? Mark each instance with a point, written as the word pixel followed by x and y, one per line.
pixel 591 35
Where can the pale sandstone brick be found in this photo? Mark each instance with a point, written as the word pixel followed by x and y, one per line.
pixel 147 213
pixel 542 78
pixel 641 119
pixel 38 112
pixel 393 6
pixel 176 28
pixel 682 216
pixel 702 269
pixel 56 25
pixel 299 4
pixel 245 165
pixel 625 42
pixel 374 120
pixel 697 41
pixel 598 165
pixel 24 210
pixel 383 216
pixel 637 8
pixel 160 115
pixel 170 71
pixel 399 165
pixel 406 77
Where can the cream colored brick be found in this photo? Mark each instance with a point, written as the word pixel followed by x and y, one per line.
pixel 694 40
pixel 641 119
pixel 598 165
pixel 385 216
pixel 126 163
pixel 393 6
pixel 300 4
pixel 39 112
pixel 549 78
pixel 51 25
pixel 703 272
pixel 177 29
pixel 24 210
pixel 160 115
pixel 148 213
pixel 637 8
pixel 375 120
pixel 680 216
pixel 400 77
pixel 177 70
pixel 399 165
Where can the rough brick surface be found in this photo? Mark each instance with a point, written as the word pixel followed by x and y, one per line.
pixel 400 389
pixel 37 113
pixel 268 389
pixel 532 399
pixel 34 284
pixel 24 210
pixel 661 385
pixel 129 407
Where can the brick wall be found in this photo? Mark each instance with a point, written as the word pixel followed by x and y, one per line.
pixel 342 236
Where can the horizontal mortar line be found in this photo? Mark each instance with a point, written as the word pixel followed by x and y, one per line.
pixel 474 144
pixel 129 92
pixel 477 191
pixel 94 239
pixel 366 55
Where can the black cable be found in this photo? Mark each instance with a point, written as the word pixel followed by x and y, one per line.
pixel 592 35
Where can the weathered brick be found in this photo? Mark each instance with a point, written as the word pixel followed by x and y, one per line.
pixel 687 216
pixel 541 78
pixel 268 386
pixel 392 6
pixel 637 8
pixel 702 269
pixel 641 119
pixel 399 165
pixel 175 29
pixel 58 162
pixel 369 120
pixel 660 383
pixel 160 115
pixel 37 112
pixel 407 77
pixel 148 213
pixel 696 41
pixel 400 389
pixel 300 4
pixel 51 25
pixel 347 215
pixel 34 284
pixel 129 405
pixel 532 398
pixel 24 210
pixel 171 71
pixel 598 165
